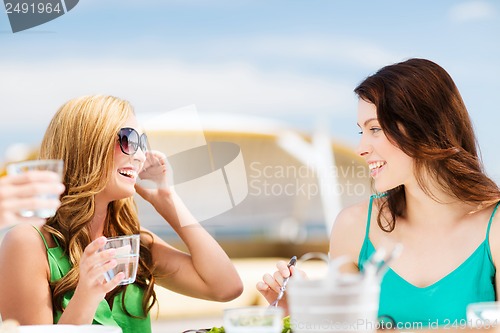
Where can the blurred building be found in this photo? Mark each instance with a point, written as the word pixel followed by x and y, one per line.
pixel 276 200
pixel 282 212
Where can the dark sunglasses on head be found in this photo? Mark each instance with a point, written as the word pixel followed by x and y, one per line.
pixel 130 141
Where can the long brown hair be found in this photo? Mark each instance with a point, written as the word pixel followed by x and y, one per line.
pixel 421 111
pixel 83 133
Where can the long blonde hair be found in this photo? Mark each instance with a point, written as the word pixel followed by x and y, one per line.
pixel 83 133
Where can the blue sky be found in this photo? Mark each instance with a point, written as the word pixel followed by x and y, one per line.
pixel 294 61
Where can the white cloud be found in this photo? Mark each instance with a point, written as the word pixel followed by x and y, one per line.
pixel 281 51
pixel 329 49
pixel 32 92
pixel 472 11
pixel 287 51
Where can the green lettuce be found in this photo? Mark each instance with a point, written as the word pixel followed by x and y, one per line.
pixel 286 327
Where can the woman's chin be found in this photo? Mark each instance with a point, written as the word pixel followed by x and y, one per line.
pixel 378 188
pixel 125 194
pixel 381 188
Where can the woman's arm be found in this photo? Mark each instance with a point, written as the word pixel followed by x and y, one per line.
pixel 24 281
pixel 347 236
pixel 206 271
pixel 345 240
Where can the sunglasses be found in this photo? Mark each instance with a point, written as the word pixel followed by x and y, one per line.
pixel 130 141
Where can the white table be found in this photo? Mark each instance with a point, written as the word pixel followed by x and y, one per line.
pixel 69 329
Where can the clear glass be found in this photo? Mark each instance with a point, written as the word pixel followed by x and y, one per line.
pixel 337 304
pixel 253 319
pixel 127 257
pixel 484 315
pixel 56 166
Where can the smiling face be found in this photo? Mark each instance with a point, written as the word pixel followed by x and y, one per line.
pixel 389 166
pixel 125 169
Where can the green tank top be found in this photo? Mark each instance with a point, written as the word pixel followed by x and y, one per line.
pixel 444 302
pixel 60 265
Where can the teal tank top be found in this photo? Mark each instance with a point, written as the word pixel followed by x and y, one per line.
pixel 443 303
pixel 60 265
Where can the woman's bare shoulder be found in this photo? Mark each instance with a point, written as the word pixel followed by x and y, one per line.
pixel 348 231
pixel 23 244
pixel 25 239
pixel 23 236
pixel 494 237
pixel 353 217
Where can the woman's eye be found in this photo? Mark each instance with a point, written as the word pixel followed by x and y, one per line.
pixel 372 129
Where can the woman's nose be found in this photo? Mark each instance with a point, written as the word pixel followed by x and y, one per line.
pixel 140 155
pixel 364 148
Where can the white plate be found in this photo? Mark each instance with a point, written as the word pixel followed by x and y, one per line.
pixel 69 329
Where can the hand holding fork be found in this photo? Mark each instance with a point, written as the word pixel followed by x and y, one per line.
pixel 292 262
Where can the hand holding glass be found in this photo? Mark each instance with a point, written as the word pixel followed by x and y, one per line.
pixel 55 166
pixel 127 257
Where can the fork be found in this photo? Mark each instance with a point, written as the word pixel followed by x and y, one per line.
pixel 292 262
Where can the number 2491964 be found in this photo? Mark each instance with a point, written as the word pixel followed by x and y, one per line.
pixel 32 8
pixel 463 323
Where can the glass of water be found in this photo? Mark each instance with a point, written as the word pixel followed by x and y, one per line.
pixel 38 165
pixel 483 315
pixel 127 257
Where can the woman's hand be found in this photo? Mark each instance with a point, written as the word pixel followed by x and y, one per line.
pixel 23 191
pixel 206 272
pixel 155 168
pixel 92 286
pixel 93 265
pixel 270 285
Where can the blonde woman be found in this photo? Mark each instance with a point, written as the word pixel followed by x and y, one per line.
pixel 55 274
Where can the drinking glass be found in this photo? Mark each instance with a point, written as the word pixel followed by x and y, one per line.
pixel 127 257
pixel 40 165
pixel 337 303
pixel 483 314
